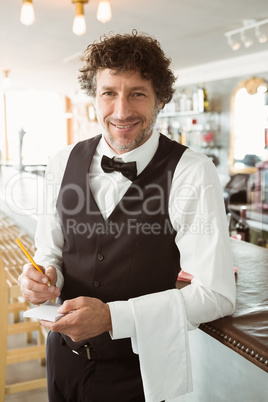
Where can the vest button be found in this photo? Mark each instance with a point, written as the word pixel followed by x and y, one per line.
pixel 96 284
pixel 100 257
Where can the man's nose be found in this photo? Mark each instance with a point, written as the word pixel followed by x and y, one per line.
pixel 122 109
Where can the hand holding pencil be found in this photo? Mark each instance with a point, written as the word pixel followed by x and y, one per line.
pixel 37 285
pixel 30 258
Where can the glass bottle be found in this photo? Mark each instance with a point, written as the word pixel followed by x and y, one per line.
pixel 242 227
pixel 205 100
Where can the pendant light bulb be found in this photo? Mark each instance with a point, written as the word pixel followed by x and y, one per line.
pixel 27 16
pixel 104 13
pixel 79 24
pixel 6 80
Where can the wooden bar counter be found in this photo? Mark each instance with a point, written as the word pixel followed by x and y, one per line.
pixel 230 355
pixel 246 331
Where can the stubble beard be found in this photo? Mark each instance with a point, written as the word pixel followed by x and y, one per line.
pixel 133 143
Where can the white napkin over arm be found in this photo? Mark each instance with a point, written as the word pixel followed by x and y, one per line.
pixel 157 326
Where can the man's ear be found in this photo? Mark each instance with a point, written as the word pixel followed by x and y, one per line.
pixel 160 105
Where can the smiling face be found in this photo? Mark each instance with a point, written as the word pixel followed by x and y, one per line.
pixel 126 107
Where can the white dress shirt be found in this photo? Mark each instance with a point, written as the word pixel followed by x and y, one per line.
pixel 196 211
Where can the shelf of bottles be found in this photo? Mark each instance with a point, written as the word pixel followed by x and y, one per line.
pixel 189 120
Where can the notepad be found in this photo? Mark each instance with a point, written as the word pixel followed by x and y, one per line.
pixel 47 311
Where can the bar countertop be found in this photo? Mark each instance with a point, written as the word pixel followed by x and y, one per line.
pixel 246 331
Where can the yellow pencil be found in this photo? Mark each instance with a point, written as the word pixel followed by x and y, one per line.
pixel 30 258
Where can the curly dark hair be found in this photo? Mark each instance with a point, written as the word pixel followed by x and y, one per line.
pixel 128 52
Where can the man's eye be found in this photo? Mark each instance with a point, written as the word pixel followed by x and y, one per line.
pixel 108 93
pixel 138 94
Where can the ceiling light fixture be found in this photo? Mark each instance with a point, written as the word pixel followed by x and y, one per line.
pixel 6 80
pixel 247 41
pixel 27 16
pixel 79 24
pixel 262 38
pixel 235 45
pixel 104 12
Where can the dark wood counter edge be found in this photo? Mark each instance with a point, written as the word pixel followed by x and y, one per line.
pixel 254 356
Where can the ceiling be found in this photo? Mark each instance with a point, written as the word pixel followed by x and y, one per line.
pixel 43 56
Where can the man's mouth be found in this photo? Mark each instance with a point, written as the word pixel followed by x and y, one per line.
pixel 124 126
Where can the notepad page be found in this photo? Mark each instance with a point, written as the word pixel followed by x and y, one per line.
pixel 47 311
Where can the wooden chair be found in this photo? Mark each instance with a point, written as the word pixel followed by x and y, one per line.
pixel 11 301
pixel 13 260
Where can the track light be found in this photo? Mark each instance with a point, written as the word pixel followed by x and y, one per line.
pixel 247 42
pixel 104 13
pixel 79 23
pixel 245 39
pixel 27 16
pixel 262 38
pixel 235 45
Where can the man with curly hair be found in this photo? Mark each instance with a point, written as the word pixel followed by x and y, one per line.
pixel 130 209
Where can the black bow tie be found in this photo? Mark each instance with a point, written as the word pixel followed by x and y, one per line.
pixel 128 169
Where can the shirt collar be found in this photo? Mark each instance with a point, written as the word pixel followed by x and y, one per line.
pixel 141 155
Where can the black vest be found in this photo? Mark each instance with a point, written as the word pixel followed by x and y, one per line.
pixel 133 251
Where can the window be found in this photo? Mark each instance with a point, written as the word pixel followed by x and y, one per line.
pixel 42 116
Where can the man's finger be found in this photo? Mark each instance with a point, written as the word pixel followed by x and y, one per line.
pixel 51 273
